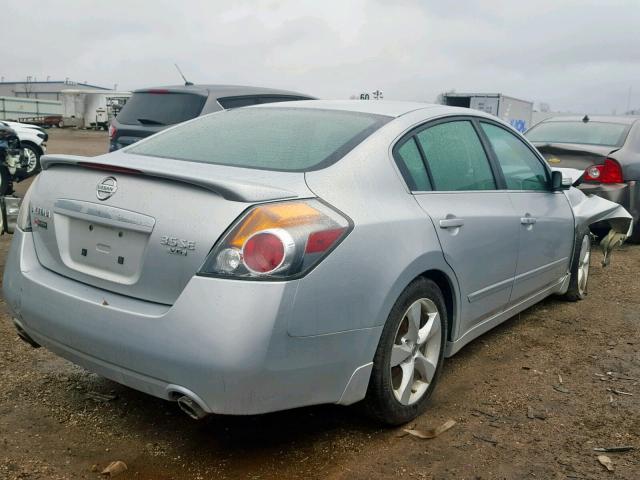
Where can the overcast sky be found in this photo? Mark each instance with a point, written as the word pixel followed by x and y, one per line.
pixel 574 55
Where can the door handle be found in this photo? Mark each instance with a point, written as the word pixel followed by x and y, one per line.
pixel 451 223
pixel 528 220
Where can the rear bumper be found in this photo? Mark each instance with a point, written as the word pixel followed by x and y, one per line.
pixel 223 342
pixel 626 194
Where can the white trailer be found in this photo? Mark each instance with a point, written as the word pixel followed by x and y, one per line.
pixel 516 112
pixel 92 108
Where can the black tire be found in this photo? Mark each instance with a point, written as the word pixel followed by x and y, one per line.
pixel 381 402
pixel 577 288
pixel 635 235
pixel 6 183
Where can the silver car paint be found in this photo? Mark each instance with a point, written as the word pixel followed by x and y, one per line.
pixel 233 356
pixel 243 347
pixel 550 238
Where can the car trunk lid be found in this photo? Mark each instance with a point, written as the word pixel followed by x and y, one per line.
pixel 566 155
pixel 143 233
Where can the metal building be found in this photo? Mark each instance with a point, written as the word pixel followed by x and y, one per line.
pixel 48 90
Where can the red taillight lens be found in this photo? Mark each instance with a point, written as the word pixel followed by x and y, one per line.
pixel 321 241
pixel 112 132
pixel 277 240
pixel 263 252
pixel 608 172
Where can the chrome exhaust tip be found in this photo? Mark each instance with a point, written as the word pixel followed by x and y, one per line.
pixel 191 408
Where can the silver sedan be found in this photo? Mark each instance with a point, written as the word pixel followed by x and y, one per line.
pixel 272 257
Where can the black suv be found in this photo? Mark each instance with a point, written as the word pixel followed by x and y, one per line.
pixel 153 109
pixel 11 160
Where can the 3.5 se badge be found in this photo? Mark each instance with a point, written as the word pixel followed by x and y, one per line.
pixel 177 246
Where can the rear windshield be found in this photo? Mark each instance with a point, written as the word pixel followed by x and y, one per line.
pixel 150 108
pixel 587 133
pixel 284 139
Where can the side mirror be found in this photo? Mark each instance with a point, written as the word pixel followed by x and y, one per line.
pixel 559 182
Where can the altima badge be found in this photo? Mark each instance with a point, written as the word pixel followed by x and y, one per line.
pixel 106 188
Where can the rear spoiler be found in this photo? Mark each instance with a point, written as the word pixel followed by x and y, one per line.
pixel 234 189
pixel 576 148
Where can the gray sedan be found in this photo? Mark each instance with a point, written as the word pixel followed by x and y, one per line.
pixel 276 256
pixel 606 148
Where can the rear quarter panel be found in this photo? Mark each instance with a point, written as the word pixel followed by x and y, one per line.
pixel 393 241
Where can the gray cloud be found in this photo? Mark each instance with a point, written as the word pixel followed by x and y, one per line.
pixel 575 55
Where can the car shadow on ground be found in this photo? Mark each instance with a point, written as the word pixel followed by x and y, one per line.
pixel 160 421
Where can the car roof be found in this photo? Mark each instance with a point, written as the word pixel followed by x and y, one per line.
pixel 625 120
pixel 219 91
pixel 378 107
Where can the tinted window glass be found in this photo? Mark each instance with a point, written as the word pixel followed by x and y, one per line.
pixel 587 133
pixel 456 158
pixel 237 102
pixel 148 108
pixel 271 138
pixel 521 168
pixel 278 98
pixel 412 167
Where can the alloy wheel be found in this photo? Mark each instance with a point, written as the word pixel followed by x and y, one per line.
pixel 415 352
pixel 583 264
pixel 32 159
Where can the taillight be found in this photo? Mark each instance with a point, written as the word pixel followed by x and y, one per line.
pixel 112 132
pixel 277 241
pixel 266 251
pixel 608 172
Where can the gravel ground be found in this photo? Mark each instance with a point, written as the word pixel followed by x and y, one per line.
pixel 560 363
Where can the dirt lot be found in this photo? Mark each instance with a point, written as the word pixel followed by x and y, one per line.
pixel 575 368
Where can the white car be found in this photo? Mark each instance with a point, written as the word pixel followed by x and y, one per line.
pixel 33 140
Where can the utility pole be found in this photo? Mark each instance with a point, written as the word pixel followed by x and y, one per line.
pixel 628 101
pixel 27 87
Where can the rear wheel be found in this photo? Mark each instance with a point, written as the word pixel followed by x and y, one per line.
pixel 580 271
pixel 410 354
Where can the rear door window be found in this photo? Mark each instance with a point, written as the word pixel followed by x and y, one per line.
pixel 412 167
pixel 455 157
pixel 161 108
pixel 522 170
